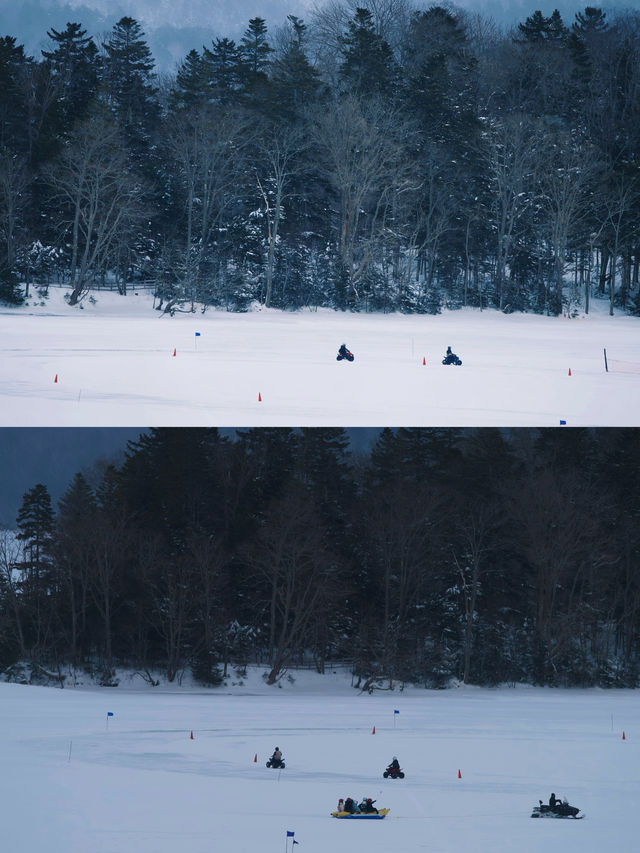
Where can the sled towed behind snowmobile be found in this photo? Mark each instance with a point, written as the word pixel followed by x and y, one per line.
pixel 381 813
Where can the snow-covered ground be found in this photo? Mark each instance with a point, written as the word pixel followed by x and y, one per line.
pixel 74 780
pixel 115 366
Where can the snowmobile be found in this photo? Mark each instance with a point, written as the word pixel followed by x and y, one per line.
pixel 393 773
pixel 452 358
pixel 561 809
pixel 276 763
pixel 343 352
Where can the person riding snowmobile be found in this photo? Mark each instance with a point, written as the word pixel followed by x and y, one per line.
pixel 343 352
pixel 276 758
pixel 450 357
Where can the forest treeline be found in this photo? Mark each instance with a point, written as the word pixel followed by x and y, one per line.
pixel 482 555
pixel 380 157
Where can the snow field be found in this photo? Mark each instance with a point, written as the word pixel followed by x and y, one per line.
pixel 115 366
pixel 71 785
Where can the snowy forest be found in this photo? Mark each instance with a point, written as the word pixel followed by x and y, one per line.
pixel 483 555
pixel 378 157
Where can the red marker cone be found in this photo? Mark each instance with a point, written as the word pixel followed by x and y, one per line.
pixel 191 736
pixel 174 350
pixel 56 379
pixel 255 758
pixel 623 736
pixel 459 775
pixel 259 397
pixel 569 371
pixel 424 360
pixel 374 730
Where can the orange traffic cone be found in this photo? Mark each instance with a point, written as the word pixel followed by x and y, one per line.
pixel 56 379
pixel 259 397
pixel 174 350
pixel 459 775
pixel 374 730
pixel 424 360
pixel 255 758
pixel 191 736
pixel 569 371
pixel 623 736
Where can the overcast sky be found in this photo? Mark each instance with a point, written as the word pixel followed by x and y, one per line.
pixel 173 27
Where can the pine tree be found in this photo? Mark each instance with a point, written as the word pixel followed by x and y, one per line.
pixel 592 20
pixel 130 82
pixel 255 52
pixel 222 70
pixel 368 65
pixel 35 522
pixel 14 67
pixel 75 71
pixel 190 88
pixel 295 81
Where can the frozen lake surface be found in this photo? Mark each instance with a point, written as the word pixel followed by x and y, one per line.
pixel 76 781
pixel 115 366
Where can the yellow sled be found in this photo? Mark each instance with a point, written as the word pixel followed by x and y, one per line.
pixel 358 816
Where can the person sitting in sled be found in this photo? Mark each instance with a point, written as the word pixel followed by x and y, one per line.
pixel 350 806
pixel 276 758
pixel 394 764
pixel 367 807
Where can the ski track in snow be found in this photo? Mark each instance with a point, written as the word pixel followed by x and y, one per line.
pixel 70 784
pixel 115 366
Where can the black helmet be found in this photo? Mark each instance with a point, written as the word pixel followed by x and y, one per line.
pixel 277 747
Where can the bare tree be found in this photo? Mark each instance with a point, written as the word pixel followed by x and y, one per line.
pixel 301 576
pixel 280 147
pixel 14 181
pixel 10 552
pixel 361 143
pixel 98 195
pixel 510 160
pixel 566 172
pixel 208 148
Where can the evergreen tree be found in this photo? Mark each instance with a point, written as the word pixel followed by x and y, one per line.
pixel 295 82
pixel 190 88
pixel 75 72
pixel 14 66
pixel 222 71
pixel 592 20
pixel 254 54
pixel 35 522
pixel 130 83
pixel 368 66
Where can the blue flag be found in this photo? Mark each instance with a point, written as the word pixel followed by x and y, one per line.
pixel 197 334
pixel 395 712
pixel 109 713
pixel 290 834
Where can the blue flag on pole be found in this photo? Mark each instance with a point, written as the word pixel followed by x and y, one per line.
pixel 290 834
pixel 109 713
pixel 395 712
pixel 197 334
